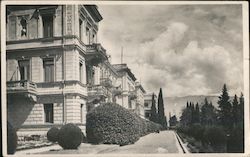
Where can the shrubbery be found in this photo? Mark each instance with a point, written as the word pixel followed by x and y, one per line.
pixel 70 136
pixel 113 124
pixel 11 139
pixel 52 134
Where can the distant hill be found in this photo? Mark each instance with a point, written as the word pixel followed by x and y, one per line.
pixel 176 104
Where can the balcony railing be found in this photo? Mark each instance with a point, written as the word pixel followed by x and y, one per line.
pixel 21 86
pixel 106 82
pixel 93 48
pixel 97 90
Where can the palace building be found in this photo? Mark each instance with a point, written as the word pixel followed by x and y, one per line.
pixel 57 70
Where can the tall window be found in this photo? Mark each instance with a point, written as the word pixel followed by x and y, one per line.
pixel 83 117
pixel 129 103
pixel 23 23
pixel 48 113
pixel 47 26
pixel 80 29
pixel 48 68
pixel 24 69
pixel 88 35
pixel 80 72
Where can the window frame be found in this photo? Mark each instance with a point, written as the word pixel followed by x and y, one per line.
pixel 51 120
pixel 52 76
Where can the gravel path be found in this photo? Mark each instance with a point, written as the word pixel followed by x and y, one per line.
pixel 154 143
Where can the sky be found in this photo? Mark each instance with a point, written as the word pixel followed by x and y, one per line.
pixel 184 49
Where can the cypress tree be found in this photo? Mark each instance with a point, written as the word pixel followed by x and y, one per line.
pixel 235 110
pixel 153 116
pixel 161 114
pixel 225 109
pixel 241 108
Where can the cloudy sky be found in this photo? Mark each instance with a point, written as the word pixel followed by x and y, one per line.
pixel 185 49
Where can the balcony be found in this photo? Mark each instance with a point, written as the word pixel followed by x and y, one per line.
pixel 97 93
pixel 95 54
pixel 106 82
pixel 22 88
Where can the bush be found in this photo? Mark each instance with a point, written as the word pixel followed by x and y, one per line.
pixel 196 130
pixel 52 134
pixel 236 140
pixel 70 136
pixel 11 139
pixel 113 124
pixel 216 137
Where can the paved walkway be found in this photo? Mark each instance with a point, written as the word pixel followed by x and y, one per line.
pixel 154 143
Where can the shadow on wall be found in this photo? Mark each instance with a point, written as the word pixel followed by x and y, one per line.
pixel 18 110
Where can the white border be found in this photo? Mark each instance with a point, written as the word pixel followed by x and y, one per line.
pixel 245 11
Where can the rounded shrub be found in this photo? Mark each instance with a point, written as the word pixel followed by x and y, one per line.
pixel 111 123
pixel 11 139
pixel 52 134
pixel 70 136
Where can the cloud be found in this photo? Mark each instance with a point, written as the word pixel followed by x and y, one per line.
pixel 186 49
pixel 193 71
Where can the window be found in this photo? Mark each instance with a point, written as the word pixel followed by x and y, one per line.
pixel 82 114
pixel 23 23
pixel 48 113
pixel 24 69
pixel 80 29
pixel 48 68
pixel 88 35
pixel 47 26
pixel 129 103
pixel 80 72
pixel 145 104
pixel 147 115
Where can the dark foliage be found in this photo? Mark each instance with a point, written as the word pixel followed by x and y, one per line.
pixel 11 139
pixel 153 116
pixel 161 114
pixel 52 134
pixel 113 124
pixel 70 136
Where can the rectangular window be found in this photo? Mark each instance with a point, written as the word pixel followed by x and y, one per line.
pixel 82 113
pixel 48 113
pixel 145 104
pixel 24 69
pixel 88 35
pixel 48 68
pixel 80 72
pixel 129 103
pixel 47 26
pixel 80 29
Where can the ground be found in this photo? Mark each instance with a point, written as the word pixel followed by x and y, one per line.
pixel 163 142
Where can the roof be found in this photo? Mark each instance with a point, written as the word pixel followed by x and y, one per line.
pixel 140 86
pixel 93 10
pixel 124 68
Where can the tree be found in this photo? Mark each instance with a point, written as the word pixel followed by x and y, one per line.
pixel 186 116
pixel 153 117
pixel 172 120
pixel 225 109
pixel 161 114
pixel 196 114
pixel 241 108
pixel 208 114
pixel 235 110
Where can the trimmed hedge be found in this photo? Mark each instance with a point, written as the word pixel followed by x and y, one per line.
pixel 70 136
pixel 52 134
pixel 11 139
pixel 113 124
